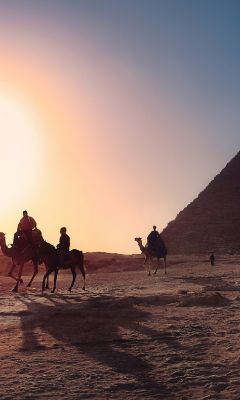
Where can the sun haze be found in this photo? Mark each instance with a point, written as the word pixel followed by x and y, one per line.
pixel 113 115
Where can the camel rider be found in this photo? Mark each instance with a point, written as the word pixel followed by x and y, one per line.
pixel 153 239
pixel 64 244
pixel 25 226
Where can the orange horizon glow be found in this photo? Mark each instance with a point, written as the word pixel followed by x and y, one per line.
pixel 54 123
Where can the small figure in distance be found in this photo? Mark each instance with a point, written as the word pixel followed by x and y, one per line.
pixel 153 239
pixel 26 226
pixel 212 259
pixel 63 245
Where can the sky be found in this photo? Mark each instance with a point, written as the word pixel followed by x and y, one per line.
pixel 114 115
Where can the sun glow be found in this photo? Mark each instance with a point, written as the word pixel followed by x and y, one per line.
pixel 20 150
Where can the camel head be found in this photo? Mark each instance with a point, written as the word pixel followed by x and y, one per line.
pixel 138 240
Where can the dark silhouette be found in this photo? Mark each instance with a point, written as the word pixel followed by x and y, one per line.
pixel 155 243
pixel 64 241
pixel 212 259
pixel 20 253
pixel 26 226
pixel 161 252
pixel 63 246
pixel 153 237
pixel 50 256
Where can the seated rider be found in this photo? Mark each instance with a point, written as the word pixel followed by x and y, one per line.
pixel 153 239
pixel 64 244
pixel 25 226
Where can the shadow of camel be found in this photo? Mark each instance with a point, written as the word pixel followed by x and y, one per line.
pixel 108 330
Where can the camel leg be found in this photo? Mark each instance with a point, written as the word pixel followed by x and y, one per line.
pixel 146 267
pixel 47 278
pixel 147 261
pixel 55 280
pixel 35 271
pixel 46 275
pixel 149 266
pixel 165 264
pixel 81 267
pixel 73 269
pixel 158 265
pixel 47 284
pixel 19 278
pixel 10 273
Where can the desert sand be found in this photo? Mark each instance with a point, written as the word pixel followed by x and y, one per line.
pixel 128 336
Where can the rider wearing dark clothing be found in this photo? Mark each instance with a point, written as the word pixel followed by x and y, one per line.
pixel 153 238
pixel 25 226
pixel 23 238
pixel 63 245
pixel 64 241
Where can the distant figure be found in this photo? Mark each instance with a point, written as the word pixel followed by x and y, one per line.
pixel 212 259
pixel 63 245
pixel 153 239
pixel 25 226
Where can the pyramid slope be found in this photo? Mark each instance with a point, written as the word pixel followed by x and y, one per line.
pixel 212 221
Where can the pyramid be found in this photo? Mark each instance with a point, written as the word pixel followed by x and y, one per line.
pixel 211 222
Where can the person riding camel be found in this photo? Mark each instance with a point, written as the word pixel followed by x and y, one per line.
pixel 63 246
pixel 153 239
pixel 26 226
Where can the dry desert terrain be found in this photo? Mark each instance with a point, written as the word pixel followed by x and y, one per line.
pixel 128 336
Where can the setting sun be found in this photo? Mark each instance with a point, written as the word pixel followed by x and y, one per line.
pixel 20 149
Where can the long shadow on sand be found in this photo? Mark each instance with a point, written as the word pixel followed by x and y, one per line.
pixel 212 283
pixel 107 330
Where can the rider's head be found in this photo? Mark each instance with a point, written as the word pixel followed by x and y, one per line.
pixel 154 227
pixel 25 213
pixel 63 230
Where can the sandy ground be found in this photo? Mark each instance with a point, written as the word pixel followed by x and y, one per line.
pixel 129 336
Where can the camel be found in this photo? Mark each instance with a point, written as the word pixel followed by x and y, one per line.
pixel 150 254
pixel 19 258
pixel 50 256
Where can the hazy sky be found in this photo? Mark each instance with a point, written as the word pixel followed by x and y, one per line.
pixel 114 114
